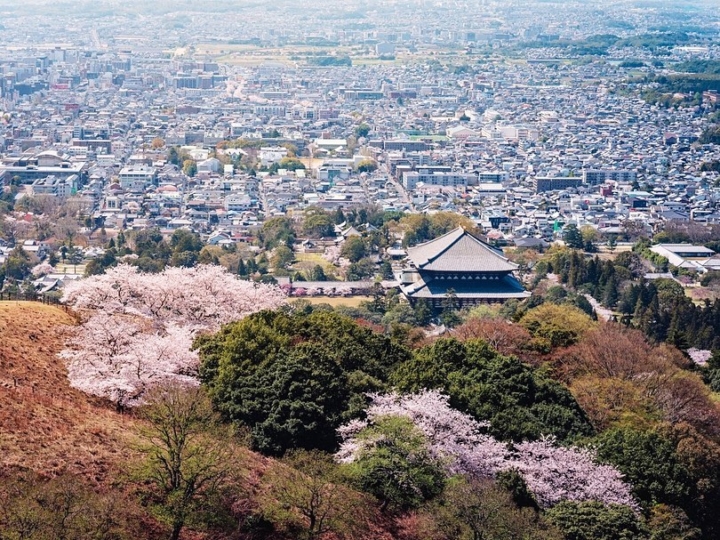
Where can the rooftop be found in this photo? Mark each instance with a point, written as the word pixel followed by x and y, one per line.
pixel 458 251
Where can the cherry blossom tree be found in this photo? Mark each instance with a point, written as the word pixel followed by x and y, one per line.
pixel 204 297
pixel 699 356
pixel 114 357
pixel 553 473
pixel 42 269
pixel 332 254
pixel 138 328
pixel 110 292
pixel 453 437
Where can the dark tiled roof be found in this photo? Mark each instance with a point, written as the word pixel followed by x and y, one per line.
pixel 501 289
pixel 458 251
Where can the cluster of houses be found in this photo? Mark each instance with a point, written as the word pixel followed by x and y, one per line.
pixel 135 138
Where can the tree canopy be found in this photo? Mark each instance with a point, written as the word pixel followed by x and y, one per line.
pixel 293 378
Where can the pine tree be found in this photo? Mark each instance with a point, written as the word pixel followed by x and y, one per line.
pixel 572 237
pixel 675 335
pixel 339 216
pixel 611 295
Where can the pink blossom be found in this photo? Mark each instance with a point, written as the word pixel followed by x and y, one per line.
pixel 699 356
pixel 553 473
pixel 332 254
pixel 453 437
pixel 139 328
pixel 42 269
pixel 111 356
pixel 203 297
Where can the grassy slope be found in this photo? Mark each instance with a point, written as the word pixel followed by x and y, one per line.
pixel 45 425
pixel 48 427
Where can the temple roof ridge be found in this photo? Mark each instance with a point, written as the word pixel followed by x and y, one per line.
pixel 458 251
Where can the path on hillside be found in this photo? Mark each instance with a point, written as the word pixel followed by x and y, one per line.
pixel 603 313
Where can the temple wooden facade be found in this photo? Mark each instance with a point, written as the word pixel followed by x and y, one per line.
pixel 458 262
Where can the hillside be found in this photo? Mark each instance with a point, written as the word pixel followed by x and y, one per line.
pixel 51 429
pixel 45 425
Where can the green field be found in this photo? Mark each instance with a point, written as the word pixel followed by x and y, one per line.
pixel 306 261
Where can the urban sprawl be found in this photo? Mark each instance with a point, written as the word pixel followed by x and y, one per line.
pixel 528 123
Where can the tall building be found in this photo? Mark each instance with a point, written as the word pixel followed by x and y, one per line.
pixel 600 176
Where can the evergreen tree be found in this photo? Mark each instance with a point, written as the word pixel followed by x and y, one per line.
pixel 572 237
pixel 423 312
pixel 610 297
pixel 449 316
pixel 386 270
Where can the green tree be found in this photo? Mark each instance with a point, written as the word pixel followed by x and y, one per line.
pixel 612 243
pixel 189 167
pixel 354 249
pixel 318 223
pixel 185 240
pixel 100 264
pixel 386 271
pixel 360 270
pixel 449 315
pixel 298 401
pixel 519 402
pixel 423 312
pixel 479 509
pixel 276 231
pixel 395 465
pixel 282 257
pixel 556 326
pixel 572 237
pixel 317 274
pixel 294 378
pixel 672 465
pixel 149 243
pixel 242 270
pixel 362 130
pixel 184 466
pixel 17 265
pixel 174 156
pixel 592 520
pixel 366 165
pixel 308 489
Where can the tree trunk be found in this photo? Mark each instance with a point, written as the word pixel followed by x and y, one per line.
pixel 175 534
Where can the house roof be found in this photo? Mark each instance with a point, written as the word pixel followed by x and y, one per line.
pixel 458 251
pixel 503 288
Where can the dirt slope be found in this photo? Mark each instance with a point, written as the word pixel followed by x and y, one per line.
pixel 45 425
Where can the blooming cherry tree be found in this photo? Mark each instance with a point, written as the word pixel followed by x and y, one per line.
pixel 453 438
pixel 204 297
pixel 113 357
pixel 138 328
pixel 42 269
pixel 553 473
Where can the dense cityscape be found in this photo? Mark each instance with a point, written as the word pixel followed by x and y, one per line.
pixel 403 270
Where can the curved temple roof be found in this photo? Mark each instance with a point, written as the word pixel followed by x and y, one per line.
pixel 458 251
